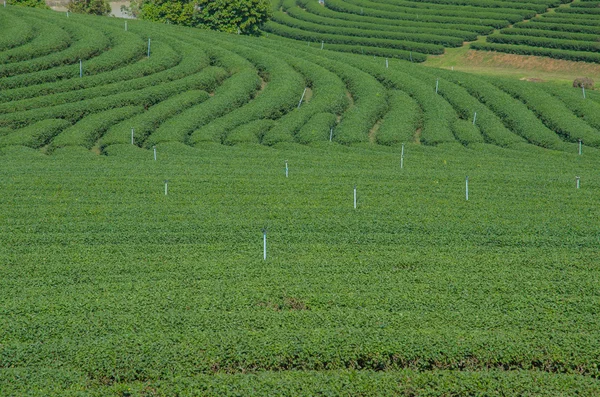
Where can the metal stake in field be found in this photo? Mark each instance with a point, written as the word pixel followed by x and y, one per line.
pixel 264 244
pixel 386 63
pixel 402 157
pixel 132 132
pixel 154 147
pixel 354 197
pixel 4 3
pixel 126 26
pixel 583 90
pixel 322 44
pixel 580 147
pixel 67 14
pixel 467 188
pixel 437 84
pixel 577 178
pixel 148 47
pixel 330 134
pixel 80 69
pixel 286 168
pixel 302 97
pixel 474 118
pixel 166 186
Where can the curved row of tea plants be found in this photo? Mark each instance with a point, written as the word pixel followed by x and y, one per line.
pixel 566 33
pixel 201 87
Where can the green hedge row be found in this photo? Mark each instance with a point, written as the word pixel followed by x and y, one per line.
pixel 514 114
pixel 552 111
pixel 401 122
pixel 489 126
pixel 317 129
pixel 233 93
pixel 550 34
pixel 539 51
pixel 48 39
pixel 446 41
pixel 437 112
pixel 464 12
pixel 586 109
pixel 298 13
pixel 578 10
pixel 280 95
pixel 146 123
pixel 35 135
pixel 73 112
pixel 103 86
pixel 328 95
pixel 343 7
pixel 88 130
pixel 541 25
pixel 369 102
pixel 474 6
pixel 571 19
pixel 45 82
pixel 574 45
pixel 88 42
pixel 15 32
pixel 313 7
pixel 249 133
pixel 538 6
pixel 298 34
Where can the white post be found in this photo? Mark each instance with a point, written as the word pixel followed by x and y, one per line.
pixel 148 47
pixel 583 89
pixel 322 44
pixel 286 168
pixel 166 186
pixel 80 69
pixel 386 63
pixel 264 244
pixel 453 68
pixel 4 3
pixel 154 147
pixel 580 147
pixel 302 97
pixel 437 83
pixel 402 158
pixel 354 197
pixel 467 188
pixel 577 181
pixel 475 118
pixel 330 134
pixel 126 26
pixel 132 130
pixel 67 14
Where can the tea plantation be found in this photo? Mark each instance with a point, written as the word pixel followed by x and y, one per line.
pixel 142 163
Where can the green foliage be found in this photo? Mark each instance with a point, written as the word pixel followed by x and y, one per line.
pixel 94 7
pixel 29 3
pixel 111 287
pixel 318 128
pixel 88 130
pixel 35 135
pixel 239 16
pixel 400 124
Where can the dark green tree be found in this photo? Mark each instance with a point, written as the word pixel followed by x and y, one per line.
pixel 95 7
pixel 28 3
pixel 243 16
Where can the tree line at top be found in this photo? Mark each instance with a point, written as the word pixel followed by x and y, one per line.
pixel 232 16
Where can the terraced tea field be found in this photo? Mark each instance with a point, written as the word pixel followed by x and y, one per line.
pixel 115 282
